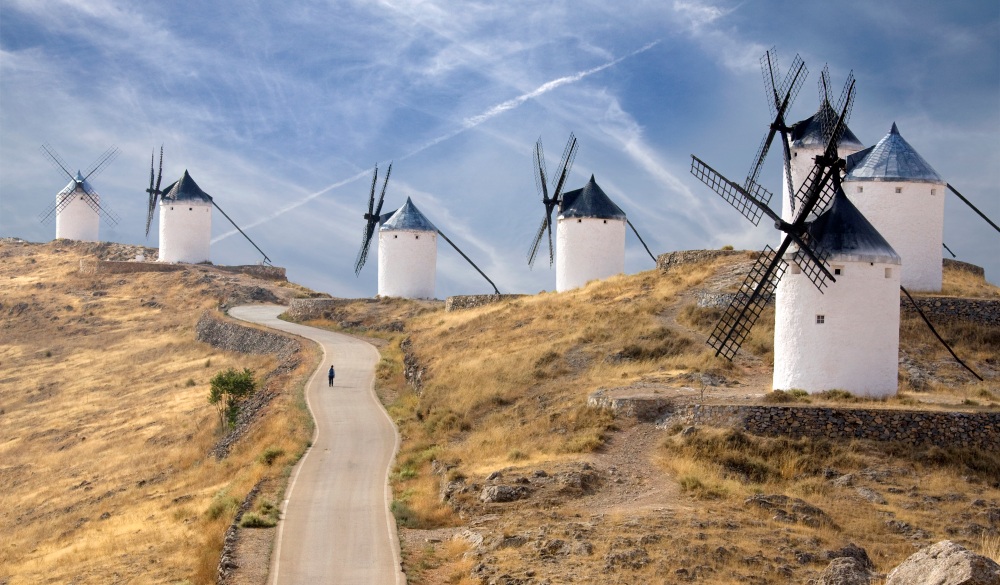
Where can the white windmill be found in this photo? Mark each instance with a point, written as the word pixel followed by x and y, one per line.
pixel 407 248
pixel 903 197
pixel 806 142
pixel 590 227
pixel 185 218
pixel 846 336
pixel 78 208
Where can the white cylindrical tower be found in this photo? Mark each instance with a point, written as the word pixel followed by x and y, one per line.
pixel 846 338
pixel 185 223
pixel 77 217
pixel 805 142
pixel 590 237
pixel 903 197
pixel 407 254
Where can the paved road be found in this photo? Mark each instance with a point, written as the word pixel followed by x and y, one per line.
pixel 336 526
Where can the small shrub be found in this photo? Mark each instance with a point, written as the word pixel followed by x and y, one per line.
pixel 270 455
pixel 190 382
pixel 726 247
pixel 229 389
pixel 405 516
pixel 255 520
pixel 516 455
pixel 222 504
pixel 208 363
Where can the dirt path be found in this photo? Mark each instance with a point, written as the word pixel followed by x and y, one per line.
pixel 335 525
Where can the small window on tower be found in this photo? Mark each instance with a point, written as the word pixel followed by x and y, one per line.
pixel 820 319
pixel 796 269
pixel 837 271
pixel 933 191
pixel 888 272
pixel 899 189
pixel 605 221
pixel 190 208
pixel 394 237
pixel 416 237
pixel 861 189
pixel 579 221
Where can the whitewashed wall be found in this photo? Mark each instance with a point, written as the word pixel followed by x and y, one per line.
pixel 912 221
pixel 588 249
pixel 78 221
pixel 407 263
pixel 856 348
pixel 185 231
pixel 803 161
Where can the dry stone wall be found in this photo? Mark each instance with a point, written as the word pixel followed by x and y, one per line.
pixel 943 429
pixel 938 309
pixel 458 303
pixel 670 260
pixel 305 309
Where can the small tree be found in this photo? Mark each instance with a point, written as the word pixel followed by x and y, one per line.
pixel 229 389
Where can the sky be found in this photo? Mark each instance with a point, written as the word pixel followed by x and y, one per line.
pixel 281 111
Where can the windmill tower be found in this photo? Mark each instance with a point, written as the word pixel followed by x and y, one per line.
pixel 407 254
pixel 590 237
pixel 832 341
pixel 77 208
pixel 185 222
pixel 806 141
pixel 903 197
pixel 826 240
pixel 407 247
pixel 185 218
pixel 590 228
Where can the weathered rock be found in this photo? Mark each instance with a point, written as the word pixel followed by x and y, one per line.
pixel 790 510
pixel 870 495
pixel 845 571
pixel 635 558
pixel 945 563
pixel 852 551
pixel 502 493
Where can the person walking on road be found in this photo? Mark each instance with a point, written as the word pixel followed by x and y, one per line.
pixel 331 375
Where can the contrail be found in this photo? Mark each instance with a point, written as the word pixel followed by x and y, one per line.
pixel 467 124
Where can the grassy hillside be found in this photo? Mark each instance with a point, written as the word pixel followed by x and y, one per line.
pixel 105 426
pixel 501 401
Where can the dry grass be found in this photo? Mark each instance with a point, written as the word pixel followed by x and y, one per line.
pixel 504 387
pixel 105 430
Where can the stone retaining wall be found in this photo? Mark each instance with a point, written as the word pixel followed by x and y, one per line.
pixel 232 336
pixel 305 309
pixel 457 303
pixel 671 260
pixel 92 266
pixel 964 267
pixel 943 429
pixel 939 309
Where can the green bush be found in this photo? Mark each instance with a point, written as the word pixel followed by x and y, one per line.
pixel 270 455
pixel 229 389
pixel 255 520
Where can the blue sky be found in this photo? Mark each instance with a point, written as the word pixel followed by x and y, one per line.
pixel 280 111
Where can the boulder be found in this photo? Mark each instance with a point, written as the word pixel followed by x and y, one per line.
pixel 502 493
pixel 845 571
pixel 945 563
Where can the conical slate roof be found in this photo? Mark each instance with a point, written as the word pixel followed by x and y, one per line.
pixel 591 201
pixel 408 217
pixel 77 182
pixel 809 132
pixel 892 159
pixel 185 190
pixel 844 231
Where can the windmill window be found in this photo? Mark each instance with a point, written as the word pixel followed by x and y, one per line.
pixel 579 221
pixel 605 221
pixel 171 208
pixel 888 272
pixel 837 271
pixel 796 269
pixel 190 208
pixel 394 237
pixel 899 189
pixel 416 237
pixel 933 191
pixel 861 189
pixel 820 319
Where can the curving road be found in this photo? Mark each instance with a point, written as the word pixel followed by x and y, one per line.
pixel 336 526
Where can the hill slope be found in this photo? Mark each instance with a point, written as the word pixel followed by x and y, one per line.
pixel 105 428
pixel 495 409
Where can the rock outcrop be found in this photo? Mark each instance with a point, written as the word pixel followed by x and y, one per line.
pixel 945 563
